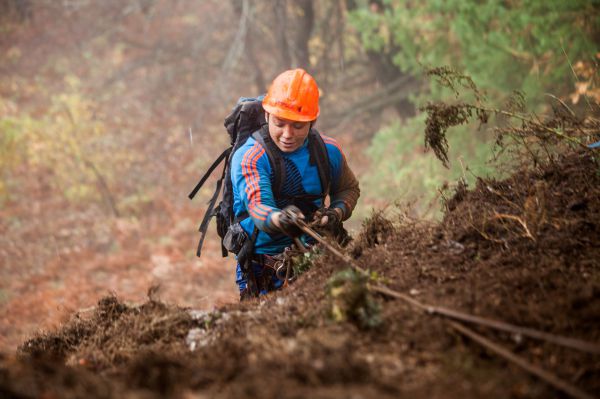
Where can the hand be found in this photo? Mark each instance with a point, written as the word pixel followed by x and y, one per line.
pixel 329 218
pixel 287 221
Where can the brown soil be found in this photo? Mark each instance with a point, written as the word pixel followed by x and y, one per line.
pixel 525 250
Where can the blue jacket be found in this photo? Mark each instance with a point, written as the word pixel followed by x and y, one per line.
pixel 251 176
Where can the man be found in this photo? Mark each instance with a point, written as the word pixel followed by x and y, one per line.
pixel 291 109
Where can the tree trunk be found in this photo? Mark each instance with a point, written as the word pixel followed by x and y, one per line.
pixel 285 59
pixel 250 51
pixel 305 24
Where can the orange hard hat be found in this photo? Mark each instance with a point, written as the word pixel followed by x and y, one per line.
pixel 293 95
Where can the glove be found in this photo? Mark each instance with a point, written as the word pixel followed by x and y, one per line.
pixel 287 221
pixel 333 222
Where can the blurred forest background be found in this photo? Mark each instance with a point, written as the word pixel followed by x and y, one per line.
pixel 110 111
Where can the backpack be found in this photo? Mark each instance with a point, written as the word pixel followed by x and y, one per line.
pixel 247 119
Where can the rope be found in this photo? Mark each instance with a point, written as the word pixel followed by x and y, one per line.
pixel 454 314
pixel 550 378
pixel 469 318
pixel 573 343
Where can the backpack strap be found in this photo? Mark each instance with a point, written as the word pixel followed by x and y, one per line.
pixel 264 138
pixel 320 157
pixel 243 215
pixel 246 264
pixel 211 204
pixel 214 165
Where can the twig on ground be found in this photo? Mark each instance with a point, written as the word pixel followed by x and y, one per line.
pixel 516 219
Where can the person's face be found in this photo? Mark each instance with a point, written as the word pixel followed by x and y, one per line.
pixel 287 135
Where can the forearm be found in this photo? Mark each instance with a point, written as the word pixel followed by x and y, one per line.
pixel 263 216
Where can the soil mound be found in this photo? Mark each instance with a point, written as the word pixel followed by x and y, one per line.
pixel 525 250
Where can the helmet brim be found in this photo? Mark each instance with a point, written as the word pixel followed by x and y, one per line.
pixel 289 114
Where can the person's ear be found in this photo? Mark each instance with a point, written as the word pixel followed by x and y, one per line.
pixel 267 117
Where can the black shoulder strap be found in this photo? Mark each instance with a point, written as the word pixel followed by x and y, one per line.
pixel 211 204
pixel 319 156
pixel 275 159
pixel 216 163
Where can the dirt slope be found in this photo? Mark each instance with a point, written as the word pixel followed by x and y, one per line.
pixel 525 250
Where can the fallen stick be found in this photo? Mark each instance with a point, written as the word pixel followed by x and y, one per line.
pixel 499 325
pixel 550 378
pixel 573 343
